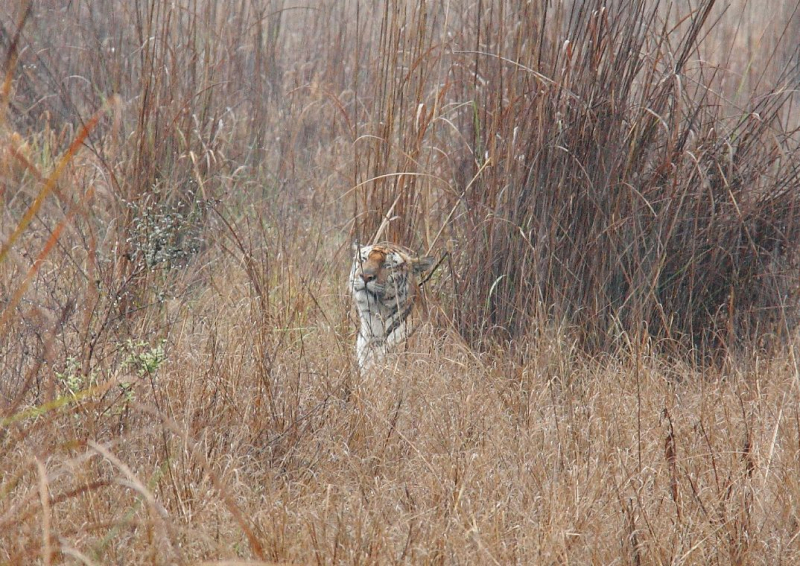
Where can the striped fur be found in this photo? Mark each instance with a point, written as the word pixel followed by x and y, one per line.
pixel 383 280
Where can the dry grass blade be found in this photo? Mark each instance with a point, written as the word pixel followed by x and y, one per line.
pixel 231 505
pixel 158 514
pixel 50 183
pixel 7 313
pixel 44 498
pixel 11 60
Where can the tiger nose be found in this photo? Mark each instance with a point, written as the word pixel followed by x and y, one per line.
pixel 367 277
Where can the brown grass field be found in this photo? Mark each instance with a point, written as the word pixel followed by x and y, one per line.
pixel 610 374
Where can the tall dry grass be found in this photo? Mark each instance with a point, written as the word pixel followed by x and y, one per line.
pixel 614 185
pixel 626 195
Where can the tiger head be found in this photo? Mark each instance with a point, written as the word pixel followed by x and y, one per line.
pixel 384 270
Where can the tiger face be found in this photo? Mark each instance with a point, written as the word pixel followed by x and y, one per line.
pixel 385 288
pixel 379 271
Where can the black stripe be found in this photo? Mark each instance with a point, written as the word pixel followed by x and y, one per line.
pixel 399 320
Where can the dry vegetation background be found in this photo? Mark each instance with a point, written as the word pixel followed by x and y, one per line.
pixel 611 375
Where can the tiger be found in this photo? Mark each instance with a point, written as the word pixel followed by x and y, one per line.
pixel 385 287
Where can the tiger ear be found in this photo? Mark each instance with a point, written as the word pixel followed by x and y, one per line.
pixel 422 264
